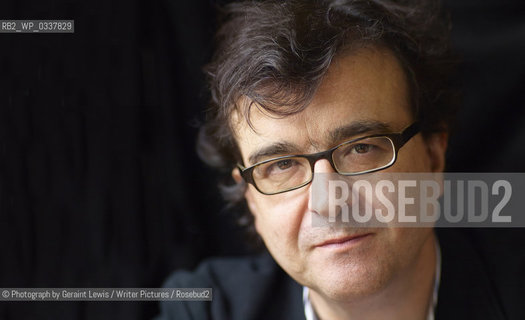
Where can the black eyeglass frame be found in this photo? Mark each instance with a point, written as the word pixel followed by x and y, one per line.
pixel 398 140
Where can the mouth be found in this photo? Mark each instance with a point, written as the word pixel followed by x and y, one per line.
pixel 343 242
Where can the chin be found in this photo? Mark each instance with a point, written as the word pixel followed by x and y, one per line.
pixel 351 281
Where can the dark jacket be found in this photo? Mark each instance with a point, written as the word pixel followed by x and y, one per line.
pixel 474 285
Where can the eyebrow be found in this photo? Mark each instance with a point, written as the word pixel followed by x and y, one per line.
pixel 273 150
pixel 335 136
pixel 358 128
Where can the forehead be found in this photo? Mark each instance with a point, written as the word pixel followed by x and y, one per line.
pixel 366 86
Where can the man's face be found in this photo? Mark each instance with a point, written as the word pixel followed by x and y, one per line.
pixel 367 86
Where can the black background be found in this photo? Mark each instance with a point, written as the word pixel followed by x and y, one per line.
pixel 100 185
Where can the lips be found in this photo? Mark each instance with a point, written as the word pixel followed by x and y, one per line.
pixel 343 240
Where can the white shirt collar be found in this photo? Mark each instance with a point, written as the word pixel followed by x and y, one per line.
pixel 309 312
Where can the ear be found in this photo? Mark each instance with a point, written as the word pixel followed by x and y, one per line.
pixel 236 175
pixel 436 148
pixel 248 195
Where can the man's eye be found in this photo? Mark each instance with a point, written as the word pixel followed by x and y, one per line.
pixel 280 167
pixel 284 164
pixel 361 148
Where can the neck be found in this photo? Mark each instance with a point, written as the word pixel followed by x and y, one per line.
pixel 407 297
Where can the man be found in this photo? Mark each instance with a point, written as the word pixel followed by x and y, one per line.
pixel 299 89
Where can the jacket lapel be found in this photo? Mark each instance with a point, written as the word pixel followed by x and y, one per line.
pixel 465 290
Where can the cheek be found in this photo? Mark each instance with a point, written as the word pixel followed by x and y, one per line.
pixel 407 242
pixel 278 218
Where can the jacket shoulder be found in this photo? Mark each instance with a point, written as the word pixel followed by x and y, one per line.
pixel 242 288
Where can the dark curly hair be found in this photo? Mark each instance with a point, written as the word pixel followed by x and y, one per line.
pixel 276 53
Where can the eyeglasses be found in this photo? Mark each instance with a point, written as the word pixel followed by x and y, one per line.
pixel 354 157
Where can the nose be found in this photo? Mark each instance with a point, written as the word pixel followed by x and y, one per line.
pixel 323 166
pixel 321 189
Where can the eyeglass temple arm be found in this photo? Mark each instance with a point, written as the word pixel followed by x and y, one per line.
pixel 409 132
pixel 242 171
